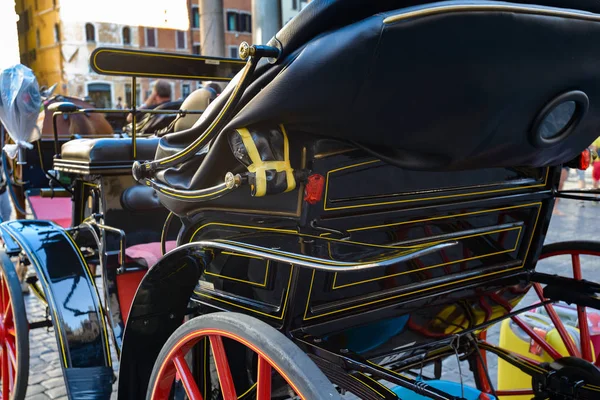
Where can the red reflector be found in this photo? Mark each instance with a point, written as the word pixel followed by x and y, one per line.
pixel 485 396
pixel 585 159
pixel 314 189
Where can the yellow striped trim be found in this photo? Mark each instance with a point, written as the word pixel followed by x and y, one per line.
pixel 102 318
pixel 447 9
pixel 420 199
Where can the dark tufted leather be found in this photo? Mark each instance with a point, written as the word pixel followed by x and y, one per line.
pixel 456 90
pixel 108 150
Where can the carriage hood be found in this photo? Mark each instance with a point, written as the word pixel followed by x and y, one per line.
pixel 448 85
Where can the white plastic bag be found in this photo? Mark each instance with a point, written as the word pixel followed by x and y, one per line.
pixel 20 104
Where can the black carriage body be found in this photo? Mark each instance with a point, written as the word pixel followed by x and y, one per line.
pixel 480 225
pixel 495 218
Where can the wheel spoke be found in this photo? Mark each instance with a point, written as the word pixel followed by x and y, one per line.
pixel 560 327
pixel 2 302
pixel 223 371
pixel 537 338
pixel 264 380
pixel 187 378
pixel 584 331
pixel 10 350
pixel 7 318
pixel 5 379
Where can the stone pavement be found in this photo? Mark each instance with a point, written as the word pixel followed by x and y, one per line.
pixel 580 221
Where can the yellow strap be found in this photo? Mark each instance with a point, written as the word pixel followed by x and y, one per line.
pixel 291 182
pixel 260 167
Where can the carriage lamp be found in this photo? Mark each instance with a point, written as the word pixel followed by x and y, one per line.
pixel 314 188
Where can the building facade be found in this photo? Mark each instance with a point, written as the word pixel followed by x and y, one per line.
pixel 58 51
pixel 291 8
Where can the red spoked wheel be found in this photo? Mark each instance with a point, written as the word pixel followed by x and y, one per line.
pixel 231 356
pixel 14 334
pixel 569 340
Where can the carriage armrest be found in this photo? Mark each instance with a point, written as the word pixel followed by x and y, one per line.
pixel 322 264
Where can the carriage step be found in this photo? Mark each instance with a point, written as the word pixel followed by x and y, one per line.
pixel 11 247
pixel 40 324
pixel 558 293
pixel 569 290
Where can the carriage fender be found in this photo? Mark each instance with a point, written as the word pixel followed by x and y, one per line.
pixel 74 304
pixel 158 309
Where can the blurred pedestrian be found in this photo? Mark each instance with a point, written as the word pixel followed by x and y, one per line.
pixel 596 166
pixel 119 105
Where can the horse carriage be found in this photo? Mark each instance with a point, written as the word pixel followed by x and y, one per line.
pixel 369 194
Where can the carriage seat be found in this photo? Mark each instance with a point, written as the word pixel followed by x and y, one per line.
pixel 103 154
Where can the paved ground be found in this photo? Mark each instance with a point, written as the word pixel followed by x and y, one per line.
pixel 578 222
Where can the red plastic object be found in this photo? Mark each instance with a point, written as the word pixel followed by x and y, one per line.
pixel 314 189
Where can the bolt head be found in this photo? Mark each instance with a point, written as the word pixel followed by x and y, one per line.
pixel 244 50
pixel 232 181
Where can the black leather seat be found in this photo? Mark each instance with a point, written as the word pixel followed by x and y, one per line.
pixel 108 150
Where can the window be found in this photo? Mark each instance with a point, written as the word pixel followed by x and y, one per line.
pixel 294 4
pixel 239 22
pixel 151 37
pixel 90 32
pixel 245 23
pixel 37 38
pixel 180 38
pixel 36 5
pixel 126 35
pixel 233 51
pixel 196 49
pixel 56 33
pixel 232 18
pixel 100 94
pixel 185 90
pixel 195 17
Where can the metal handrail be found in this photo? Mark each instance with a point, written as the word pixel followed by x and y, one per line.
pixel 315 263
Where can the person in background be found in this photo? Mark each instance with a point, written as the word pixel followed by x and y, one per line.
pixel 161 93
pixel 119 105
pixel 215 87
pixel 596 165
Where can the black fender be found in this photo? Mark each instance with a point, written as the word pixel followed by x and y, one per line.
pixel 74 303
pixel 159 307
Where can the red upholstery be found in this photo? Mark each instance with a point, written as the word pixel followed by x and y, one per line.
pixel 148 254
pixel 127 284
pixel 56 209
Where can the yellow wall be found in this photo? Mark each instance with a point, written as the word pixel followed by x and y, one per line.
pixel 44 58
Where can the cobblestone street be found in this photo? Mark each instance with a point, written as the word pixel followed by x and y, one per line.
pixel 578 222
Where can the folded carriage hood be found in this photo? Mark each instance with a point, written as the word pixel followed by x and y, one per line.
pixel 452 85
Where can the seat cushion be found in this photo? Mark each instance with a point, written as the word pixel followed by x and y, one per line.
pixel 56 209
pixel 148 254
pixel 108 150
